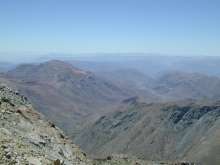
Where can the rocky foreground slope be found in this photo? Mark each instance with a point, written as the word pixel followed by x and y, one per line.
pixel 27 139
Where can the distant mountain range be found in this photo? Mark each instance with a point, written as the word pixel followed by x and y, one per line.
pixel 150 64
pixel 182 85
pixel 168 86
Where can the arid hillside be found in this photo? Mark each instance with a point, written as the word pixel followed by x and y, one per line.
pixel 168 131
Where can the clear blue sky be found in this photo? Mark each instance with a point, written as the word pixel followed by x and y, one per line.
pixel 82 26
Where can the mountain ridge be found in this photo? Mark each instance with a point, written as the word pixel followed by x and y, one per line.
pixel 63 93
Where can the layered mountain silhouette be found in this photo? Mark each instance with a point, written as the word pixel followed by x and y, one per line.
pixel 166 86
pixel 173 116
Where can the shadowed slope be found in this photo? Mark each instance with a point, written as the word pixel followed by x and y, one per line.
pixel 186 131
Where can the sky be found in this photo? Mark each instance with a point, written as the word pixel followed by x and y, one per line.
pixel 36 27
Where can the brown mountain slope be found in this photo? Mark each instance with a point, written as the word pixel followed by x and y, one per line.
pixel 64 94
pixel 187 131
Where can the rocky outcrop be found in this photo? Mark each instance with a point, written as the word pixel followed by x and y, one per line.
pixel 26 138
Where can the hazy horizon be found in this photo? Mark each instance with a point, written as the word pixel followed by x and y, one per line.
pixel 27 57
